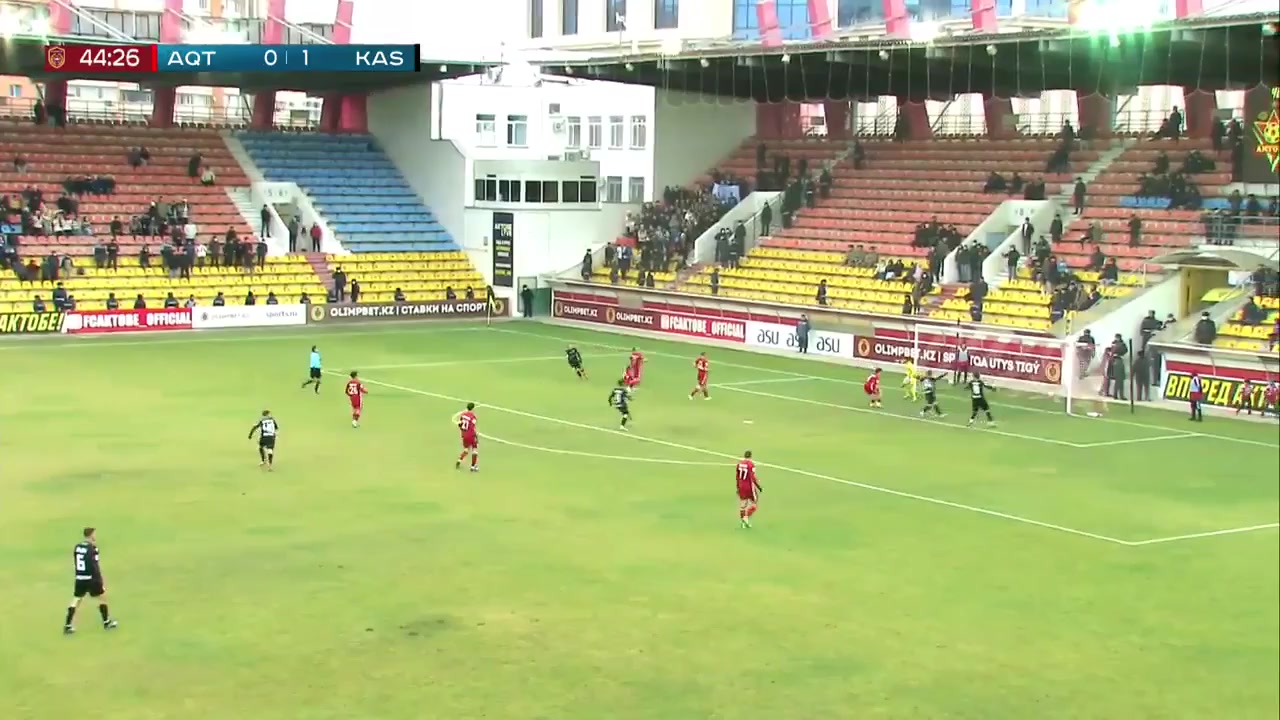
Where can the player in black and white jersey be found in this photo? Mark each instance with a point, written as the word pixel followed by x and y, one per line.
pixel 266 428
pixel 620 399
pixel 929 388
pixel 88 573
pixel 575 361
pixel 978 399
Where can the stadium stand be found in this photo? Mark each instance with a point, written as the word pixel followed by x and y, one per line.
pixel 1258 333
pixel 875 209
pixel 53 157
pixel 739 166
pixel 395 240
pixel 355 186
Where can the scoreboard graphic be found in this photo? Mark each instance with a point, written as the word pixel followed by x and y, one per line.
pixel 89 59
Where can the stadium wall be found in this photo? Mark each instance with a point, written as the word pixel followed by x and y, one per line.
pixel 692 133
pixel 545 241
pixel 435 169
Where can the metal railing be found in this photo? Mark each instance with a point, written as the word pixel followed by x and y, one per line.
pixel 235 113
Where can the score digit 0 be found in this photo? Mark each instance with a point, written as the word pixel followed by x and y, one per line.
pixel 271 58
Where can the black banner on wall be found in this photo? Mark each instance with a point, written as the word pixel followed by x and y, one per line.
pixel 1261 135
pixel 504 240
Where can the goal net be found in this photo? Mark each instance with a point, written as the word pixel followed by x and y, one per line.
pixel 1036 366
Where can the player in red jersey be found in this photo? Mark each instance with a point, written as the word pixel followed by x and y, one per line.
pixel 630 378
pixel 703 366
pixel 1245 401
pixel 355 393
pixel 466 422
pixel 1271 400
pixel 872 388
pixel 748 489
pixel 635 367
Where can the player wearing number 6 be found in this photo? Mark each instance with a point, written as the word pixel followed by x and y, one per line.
pixel 748 489
pixel 466 422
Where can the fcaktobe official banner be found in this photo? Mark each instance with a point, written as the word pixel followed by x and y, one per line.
pixel 124 321
pixel 710 328
pixel 32 323
pixel 243 316
pixel 997 364
pixel 783 337
pixel 407 311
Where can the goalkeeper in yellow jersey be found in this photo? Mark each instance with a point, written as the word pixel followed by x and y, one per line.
pixel 910 381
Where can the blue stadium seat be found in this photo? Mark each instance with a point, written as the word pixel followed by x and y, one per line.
pixel 355 186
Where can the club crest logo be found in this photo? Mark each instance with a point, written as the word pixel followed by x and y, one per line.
pixel 56 57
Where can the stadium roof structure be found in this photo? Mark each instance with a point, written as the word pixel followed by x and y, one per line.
pixel 1216 259
pixel 24 55
pixel 1206 53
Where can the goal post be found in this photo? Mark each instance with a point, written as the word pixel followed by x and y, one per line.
pixel 1038 366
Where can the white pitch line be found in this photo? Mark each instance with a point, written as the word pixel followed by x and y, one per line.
pixel 783 468
pixel 599 456
pixel 1134 441
pixel 1148 426
pixel 761 382
pixel 912 418
pixel 1212 533
pixel 449 363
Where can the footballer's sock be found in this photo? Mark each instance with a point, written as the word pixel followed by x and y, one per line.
pixel 104 612
pixel 752 510
pixel 271 457
pixel 742 513
pixel 989 418
pixel 317 387
pixel 262 455
pixel 463 456
pixel 475 459
pixel 625 418
pixel 71 614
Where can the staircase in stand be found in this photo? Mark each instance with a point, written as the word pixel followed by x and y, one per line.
pixel 320 264
pixel 243 200
pixel 684 275
pixel 946 291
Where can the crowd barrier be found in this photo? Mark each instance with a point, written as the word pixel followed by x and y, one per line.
pixel 228 317
pixel 873 339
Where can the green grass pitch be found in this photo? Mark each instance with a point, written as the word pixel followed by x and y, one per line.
pixel 899 568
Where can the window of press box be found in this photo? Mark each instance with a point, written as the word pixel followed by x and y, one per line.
pixel 509 191
pixel 587 189
pixel 569 191
pixel 487 189
pixel 550 191
pixel 532 191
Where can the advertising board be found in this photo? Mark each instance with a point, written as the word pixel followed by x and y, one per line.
pixel 87 322
pixel 667 323
pixel 243 316
pixel 446 309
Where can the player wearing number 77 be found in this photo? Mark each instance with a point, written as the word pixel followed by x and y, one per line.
pixel 748 489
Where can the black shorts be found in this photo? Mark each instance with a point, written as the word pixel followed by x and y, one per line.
pixel 624 410
pixel 316 373
pixel 930 399
pixel 575 365
pixel 980 405
pixel 267 442
pixel 90 587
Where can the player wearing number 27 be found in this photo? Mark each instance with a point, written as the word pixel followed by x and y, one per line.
pixel 355 393
pixel 466 421
pixel 748 489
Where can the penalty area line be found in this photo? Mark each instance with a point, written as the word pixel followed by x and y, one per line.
pixel 782 468
pixel 1211 533
pixel 598 456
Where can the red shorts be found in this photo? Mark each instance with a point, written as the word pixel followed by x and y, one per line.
pixel 702 379
pixel 470 442
pixel 632 381
pixel 356 404
pixel 747 493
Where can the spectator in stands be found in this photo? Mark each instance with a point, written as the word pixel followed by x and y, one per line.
pixel 208 177
pixel 170 301
pixel 219 300
pixel 261 249
pixel 250 298
pixel 1060 159
pixel 1171 128
pixel 1110 273
pixel 1097 259
pixel 1162 163
pixel 37 304
pixel 248 255
pixel 271 298
pixel 1250 314
pixel 193 165
pixel 32 272
pixel 1055 229
pixel 190 302
pixel 1218 134
pixel 449 294
pixel 399 296
pixel 265 215
pixel 19 163
pixel 1078 196
pixel 1028 232
pixel 304 299
pixel 316 234
pixel 1135 230
pixel 187 259
pixel 469 293
pixel 355 290
pixel 859 156
pixel 995 183
pixel 59 298
pixel 1206 330
pixel 614 275
pixel 715 281
pixel 139 303
pixel 1149 326
pixel 766 219
pixel 180 211
pixel 587 269
pixel 134 158
pixel 201 253
pixel 821 297
pixel 1011 259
